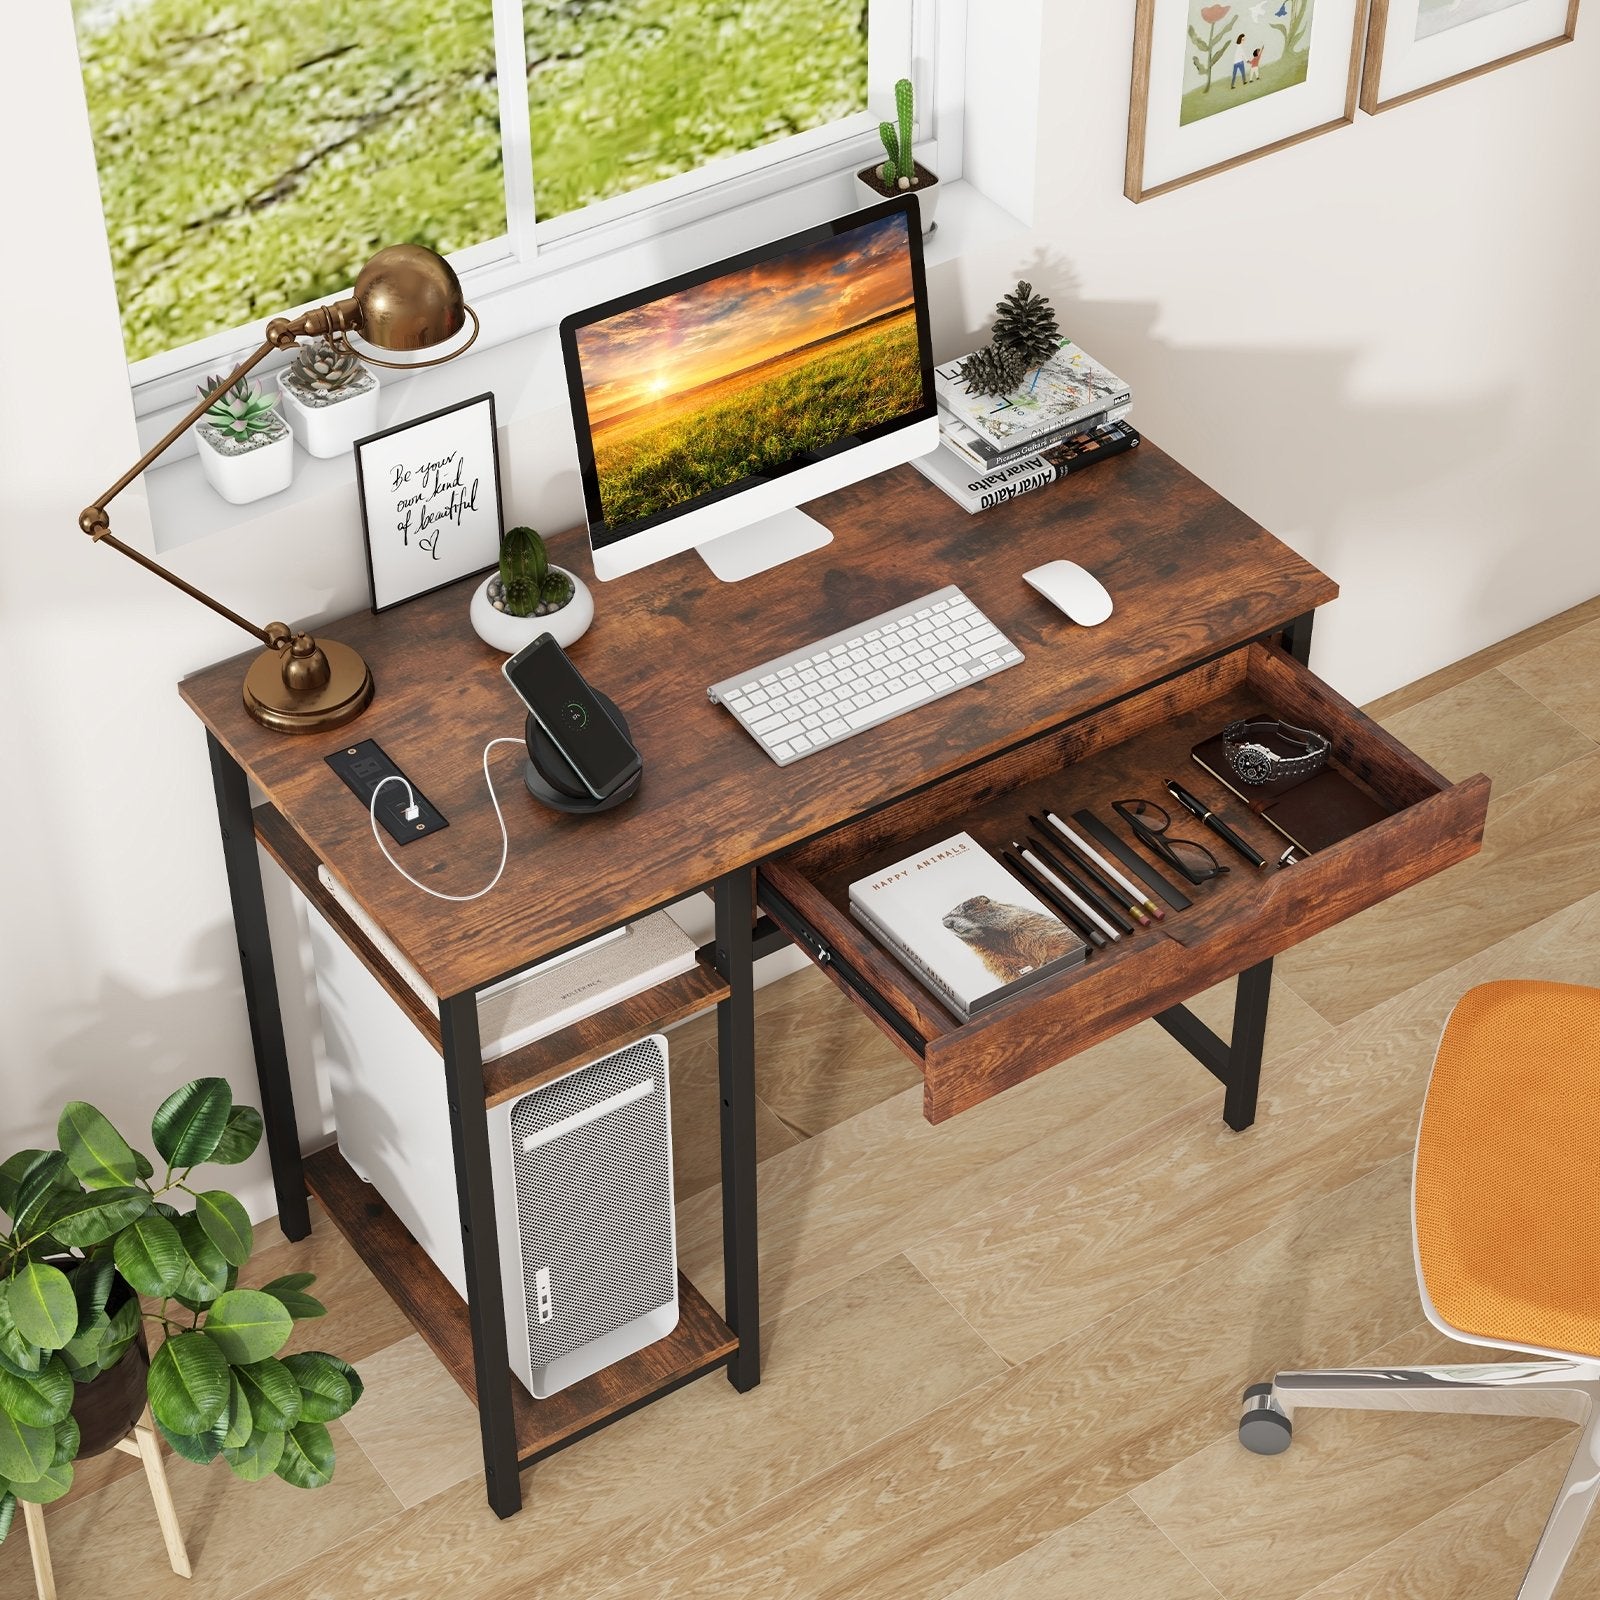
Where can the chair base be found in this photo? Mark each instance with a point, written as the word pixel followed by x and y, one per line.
pixel 1564 1389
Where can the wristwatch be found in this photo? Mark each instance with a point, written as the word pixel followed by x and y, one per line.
pixel 1254 763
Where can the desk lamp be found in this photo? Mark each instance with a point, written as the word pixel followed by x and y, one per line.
pixel 406 298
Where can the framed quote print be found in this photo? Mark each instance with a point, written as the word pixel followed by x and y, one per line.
pixel 1217 83
pixel 1417 46
pixel 430 501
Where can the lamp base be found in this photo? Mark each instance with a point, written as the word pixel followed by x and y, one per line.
pixel 275 705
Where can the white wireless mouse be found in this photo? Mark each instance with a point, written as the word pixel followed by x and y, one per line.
pixel 1070 589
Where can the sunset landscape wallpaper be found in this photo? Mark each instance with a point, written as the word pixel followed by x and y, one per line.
pixel 733 377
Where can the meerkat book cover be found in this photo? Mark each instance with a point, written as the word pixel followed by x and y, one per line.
pixel 963 924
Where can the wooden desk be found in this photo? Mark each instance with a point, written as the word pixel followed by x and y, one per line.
pixel 1195 581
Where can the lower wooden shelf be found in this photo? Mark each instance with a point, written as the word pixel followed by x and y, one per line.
pixel 700 1343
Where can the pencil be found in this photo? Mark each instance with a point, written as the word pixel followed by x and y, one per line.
pixel 1082 906
pixel 1092 874
pixel 1089 851
pixel 1104 908
pixel 1080 925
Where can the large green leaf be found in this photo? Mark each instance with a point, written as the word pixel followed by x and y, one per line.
pixel 50 1485
pixel 239 1424
pixel 43 1307
pixel 188 1124
pixel 12 1171
pixel 99 1156
pixel 42 1400
pixel 120 1332
pixel 273 1394
pixel 240 1136
pixel 288 1289
pixel 205 1272
pixel 307 1460
pixel 45 1177
pixel 25 1451
pixel 85 1219
pixel 91 1287
pixel 188 1383
pixel 150 1255
pixel 258 1457
pixel 196 1447
pixel 227 1225
pixel 17 1354
pixel 248 1325
pixel 328 1386
pixel 68 1439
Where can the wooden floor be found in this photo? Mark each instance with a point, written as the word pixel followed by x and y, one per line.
pixel 1004 1355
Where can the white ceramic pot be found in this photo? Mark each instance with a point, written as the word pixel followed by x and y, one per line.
pixel 241 476
pixel 508 634
pixel 330 429
pixel 927 193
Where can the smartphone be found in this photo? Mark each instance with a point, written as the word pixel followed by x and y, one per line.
pixel 566 708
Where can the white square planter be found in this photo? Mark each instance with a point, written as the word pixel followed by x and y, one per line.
pixel 926 191
pixel 330 429
pixel 246 475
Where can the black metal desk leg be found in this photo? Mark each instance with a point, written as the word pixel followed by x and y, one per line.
pixel 1251 995
pixel 480 1245
pixel 1297 637
pixel 736 1065
pixel 260 988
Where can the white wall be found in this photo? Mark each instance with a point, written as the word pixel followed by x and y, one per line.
pixel 1379 343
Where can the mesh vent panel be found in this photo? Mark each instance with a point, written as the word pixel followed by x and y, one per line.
pixel 594 1206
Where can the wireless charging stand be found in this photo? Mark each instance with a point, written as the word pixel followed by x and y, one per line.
pixel 551 780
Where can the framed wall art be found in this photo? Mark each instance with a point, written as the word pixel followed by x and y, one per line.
pixel 430 501
pixel 1417 46
pixel 1218 83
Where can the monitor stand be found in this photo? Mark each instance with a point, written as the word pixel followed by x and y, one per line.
pixel 768 543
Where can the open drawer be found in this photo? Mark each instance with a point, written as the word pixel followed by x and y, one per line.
pixel 1127 750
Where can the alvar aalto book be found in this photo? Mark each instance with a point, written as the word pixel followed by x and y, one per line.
pixel 959 921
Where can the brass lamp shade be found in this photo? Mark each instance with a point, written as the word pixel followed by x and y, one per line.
pixel 406 298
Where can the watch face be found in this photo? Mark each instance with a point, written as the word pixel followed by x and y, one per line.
pixel 1252 762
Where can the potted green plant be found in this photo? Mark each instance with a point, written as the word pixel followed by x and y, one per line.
pixel 246 448
pixel 329 399
pixel 528 596
pixel 902 172
pixel 91 1231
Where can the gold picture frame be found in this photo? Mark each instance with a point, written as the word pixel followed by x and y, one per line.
pixel 1372 97
pixel 1136 185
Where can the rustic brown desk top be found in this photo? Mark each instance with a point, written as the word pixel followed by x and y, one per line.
pixel 1190 575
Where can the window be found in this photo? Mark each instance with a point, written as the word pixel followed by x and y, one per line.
pixel 252 156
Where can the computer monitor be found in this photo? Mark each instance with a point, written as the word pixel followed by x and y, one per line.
pixel 710 407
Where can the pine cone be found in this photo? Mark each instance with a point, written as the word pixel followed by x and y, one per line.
pixel 1025 323
pixel 990 370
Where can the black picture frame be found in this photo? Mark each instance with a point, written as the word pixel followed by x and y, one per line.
pixel 480 549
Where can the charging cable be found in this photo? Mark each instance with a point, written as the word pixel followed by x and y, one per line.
pixel 411 813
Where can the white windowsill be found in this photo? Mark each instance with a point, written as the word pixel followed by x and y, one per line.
pixel 525 375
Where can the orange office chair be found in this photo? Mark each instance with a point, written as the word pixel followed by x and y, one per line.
pixel 1505 1212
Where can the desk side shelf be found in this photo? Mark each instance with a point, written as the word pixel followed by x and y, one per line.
pixel 700 1343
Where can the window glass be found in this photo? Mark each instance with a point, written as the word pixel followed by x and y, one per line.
pixel 254 153
pixel 623 93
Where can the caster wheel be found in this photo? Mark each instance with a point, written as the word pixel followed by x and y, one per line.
pixel 1264 1430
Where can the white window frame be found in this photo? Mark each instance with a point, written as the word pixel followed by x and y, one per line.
pixel 509 279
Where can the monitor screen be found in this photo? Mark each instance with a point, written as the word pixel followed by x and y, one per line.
pixel 748 369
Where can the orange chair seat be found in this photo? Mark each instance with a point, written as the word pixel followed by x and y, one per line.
pixel 1506 1200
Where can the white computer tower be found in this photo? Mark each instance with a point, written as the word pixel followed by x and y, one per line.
pixel 582 1171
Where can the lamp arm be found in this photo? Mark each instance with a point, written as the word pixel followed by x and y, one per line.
pixel 95 521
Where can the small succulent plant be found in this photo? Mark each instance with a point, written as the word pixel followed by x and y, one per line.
pixel 528 582
pixel 243 412
pixel 899 171
pixel 320 366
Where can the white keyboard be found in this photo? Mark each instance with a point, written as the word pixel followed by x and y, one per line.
pixel 866 675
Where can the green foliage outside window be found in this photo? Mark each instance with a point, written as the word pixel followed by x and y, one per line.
pixel 252 156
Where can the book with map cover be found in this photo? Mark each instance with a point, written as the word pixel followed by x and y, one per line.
pixel 1068 388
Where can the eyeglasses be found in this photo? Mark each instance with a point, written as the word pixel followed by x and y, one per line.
pixel 1150 822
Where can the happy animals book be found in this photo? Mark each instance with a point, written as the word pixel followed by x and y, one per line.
pixel 963 924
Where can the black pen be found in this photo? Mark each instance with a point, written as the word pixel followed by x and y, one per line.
pixel 1197 809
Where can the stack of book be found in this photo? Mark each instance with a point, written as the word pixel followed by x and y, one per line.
pixel 1066 414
